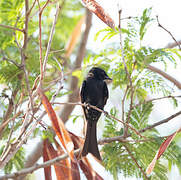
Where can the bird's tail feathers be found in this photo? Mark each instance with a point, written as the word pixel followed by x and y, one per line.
pixel 90 144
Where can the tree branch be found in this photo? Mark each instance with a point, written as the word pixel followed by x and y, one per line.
pixel 74 97
pixel 165 75
pixel 155 99
pixel 32 158
pixel 40 40
pixel 51 37
pixel 11 27
pixel 129 78
pixel 102 141
pixel 172 45
pixel 37 166
pixel 9 109
pixel 134 159
pixel 161 122
pixel 162 73
pixel 168 32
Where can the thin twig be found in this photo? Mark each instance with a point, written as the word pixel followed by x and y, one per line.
pixel 129 112
pixel 50 40
pixel 155 99
pixel 14 33
pixel 123 101
pixel 134 159
pixel 11 27
pixel 161 122
pixel 102 111
pixel 12 61
pixel 29 11
pixel 128 75
pixel 56 51
pixel 121 139
pixel 168 33
pixel 122 50
pixel 2 126
pixel 40 39
pixel 60 82
pixel 129 17
pixel 23 56
pixel 10 109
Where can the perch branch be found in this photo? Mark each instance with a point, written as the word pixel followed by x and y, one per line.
pixel 168 32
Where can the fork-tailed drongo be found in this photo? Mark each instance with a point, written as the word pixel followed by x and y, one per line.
pixel 94 92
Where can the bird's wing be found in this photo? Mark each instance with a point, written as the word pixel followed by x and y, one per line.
pixel 105 93
pixel 83 92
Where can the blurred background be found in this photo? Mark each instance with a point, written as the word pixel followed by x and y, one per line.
pixel 80 42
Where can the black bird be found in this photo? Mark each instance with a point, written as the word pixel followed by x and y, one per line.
pixel 94 92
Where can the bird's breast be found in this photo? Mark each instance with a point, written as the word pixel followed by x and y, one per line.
pixel 95 93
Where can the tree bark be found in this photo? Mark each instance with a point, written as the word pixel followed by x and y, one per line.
pixel 74 97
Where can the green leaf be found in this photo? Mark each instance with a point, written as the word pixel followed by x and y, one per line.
pixel 144 20
pixel 48 134
pixel 140 115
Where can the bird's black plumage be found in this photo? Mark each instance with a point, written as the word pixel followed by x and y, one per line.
pixel 94 92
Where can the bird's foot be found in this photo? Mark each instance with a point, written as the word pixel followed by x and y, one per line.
pixel 87 105
pixel 106 113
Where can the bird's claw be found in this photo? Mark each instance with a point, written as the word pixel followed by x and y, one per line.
pixel 106 113
pixel 87 105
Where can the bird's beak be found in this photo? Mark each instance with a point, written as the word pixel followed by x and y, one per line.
pixel 107 79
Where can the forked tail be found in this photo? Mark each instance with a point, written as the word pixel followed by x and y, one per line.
pixel 90 144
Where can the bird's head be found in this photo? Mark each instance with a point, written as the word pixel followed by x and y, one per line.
pixel 98 73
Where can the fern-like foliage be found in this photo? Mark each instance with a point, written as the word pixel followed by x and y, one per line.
pixel 118 160
pixel 131 158
pixel 140 115
pixel 17 162
pixel 12 13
